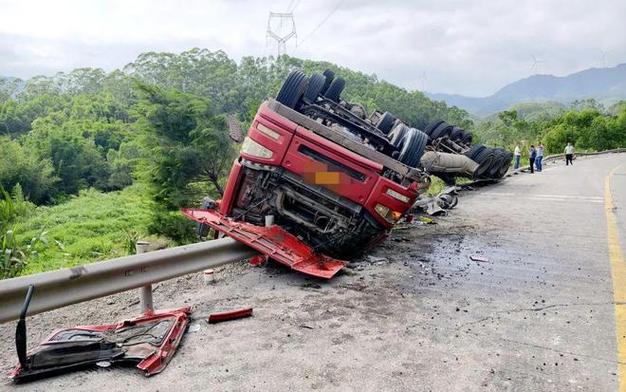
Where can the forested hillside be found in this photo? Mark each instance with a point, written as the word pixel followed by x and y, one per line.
pixel 587 124
pixel 158 123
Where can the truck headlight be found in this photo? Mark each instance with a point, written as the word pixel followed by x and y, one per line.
pixel 253 148
pixel 388 214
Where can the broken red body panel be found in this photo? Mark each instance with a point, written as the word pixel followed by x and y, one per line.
pixel 53 355
pixel 229 315
pixel 272 241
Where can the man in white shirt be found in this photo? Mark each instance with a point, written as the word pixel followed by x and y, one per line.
pixel 569 154
pixel 518 155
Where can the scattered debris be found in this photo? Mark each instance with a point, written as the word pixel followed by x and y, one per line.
pixel 375 259
pixel 427 220
pixel 208 276
pixel 229 315
pixel 258 260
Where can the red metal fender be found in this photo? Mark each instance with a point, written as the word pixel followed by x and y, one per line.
pixel 151 360
pixel 273 241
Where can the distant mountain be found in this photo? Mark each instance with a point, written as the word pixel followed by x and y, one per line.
pixel 603 84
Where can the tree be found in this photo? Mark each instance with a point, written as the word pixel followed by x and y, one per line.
pixel 18 166
pixel 189 148
pixel 189 144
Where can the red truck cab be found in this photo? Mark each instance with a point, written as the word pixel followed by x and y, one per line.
pixel 297 177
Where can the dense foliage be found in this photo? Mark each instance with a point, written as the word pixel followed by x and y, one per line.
pixel 586 124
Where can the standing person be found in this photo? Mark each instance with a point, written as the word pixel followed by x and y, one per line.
pixel 539 159
pixel 532 153
pixel 518 155
pixel 569 154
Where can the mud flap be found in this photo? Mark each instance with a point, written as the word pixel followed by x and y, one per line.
pixel 272 241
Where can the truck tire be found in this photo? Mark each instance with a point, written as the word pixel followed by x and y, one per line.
pixel 482 156
pixel 456 133
pixel 484 160
pixel 497 163
pixel 467 138
pixel 330 75
pixel 397 133
pixel 419 151
pixel 473 152
pixel 505 166
pixel 334 90
pixel 442 130
pixel 313 90
pixel 386 122
pixel 413 145
pixel 430 127
pixel 292 89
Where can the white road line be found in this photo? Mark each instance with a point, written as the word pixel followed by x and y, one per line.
pixel 574 197
pixel 591 199
pixel 562 200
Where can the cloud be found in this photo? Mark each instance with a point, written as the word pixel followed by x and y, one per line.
pixel 467 47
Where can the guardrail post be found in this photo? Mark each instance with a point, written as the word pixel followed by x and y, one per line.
pixel 147 306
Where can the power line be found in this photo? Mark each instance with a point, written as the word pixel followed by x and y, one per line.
pixel 290 8
pixel 322 22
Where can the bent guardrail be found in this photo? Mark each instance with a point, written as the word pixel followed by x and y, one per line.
pixel 56 289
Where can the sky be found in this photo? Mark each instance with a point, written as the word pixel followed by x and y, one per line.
pixel 456 46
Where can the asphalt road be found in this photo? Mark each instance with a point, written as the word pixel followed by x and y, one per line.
pixel 418 314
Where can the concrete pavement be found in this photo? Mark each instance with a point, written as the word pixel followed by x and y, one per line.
pixel 549 290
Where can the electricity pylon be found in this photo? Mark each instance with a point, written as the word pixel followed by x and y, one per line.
pixel 281 27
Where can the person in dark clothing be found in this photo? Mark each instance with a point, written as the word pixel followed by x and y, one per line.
pixel 532 153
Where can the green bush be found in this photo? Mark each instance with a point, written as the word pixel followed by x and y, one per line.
pixel 173 225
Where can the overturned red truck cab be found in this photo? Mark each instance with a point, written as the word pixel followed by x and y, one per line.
pixel 315 182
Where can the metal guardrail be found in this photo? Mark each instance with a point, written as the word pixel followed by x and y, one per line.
pixel 582 154
pixel 56 289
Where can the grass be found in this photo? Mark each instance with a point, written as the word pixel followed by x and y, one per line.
pixel 89 227
pixel 96 226
pixel 437 185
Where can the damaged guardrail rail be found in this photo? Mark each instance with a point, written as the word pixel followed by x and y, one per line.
pixel 56 289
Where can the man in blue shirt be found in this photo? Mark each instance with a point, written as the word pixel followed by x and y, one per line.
pixel 532 153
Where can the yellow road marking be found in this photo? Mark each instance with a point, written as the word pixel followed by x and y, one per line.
pixel 618 273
